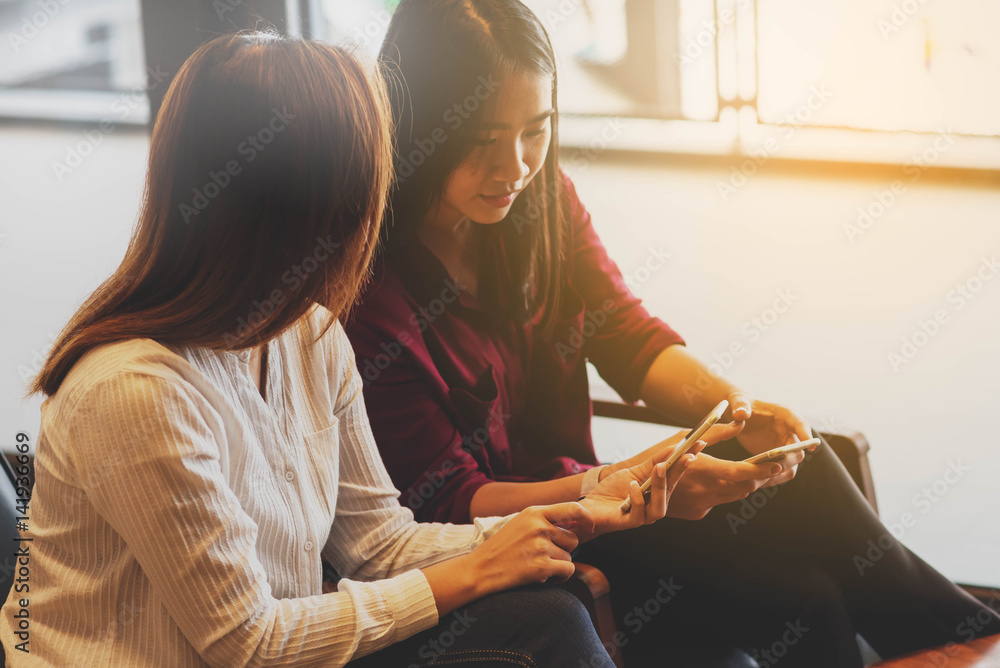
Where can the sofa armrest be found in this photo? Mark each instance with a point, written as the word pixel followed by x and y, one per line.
pixel 851 448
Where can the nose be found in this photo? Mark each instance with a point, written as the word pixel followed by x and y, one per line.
pixel 510 166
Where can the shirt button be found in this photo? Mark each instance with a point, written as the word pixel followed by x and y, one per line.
pixel 289 476
pixel 308 545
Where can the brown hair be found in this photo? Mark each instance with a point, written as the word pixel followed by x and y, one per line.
pixel 269 166
pixel 437 56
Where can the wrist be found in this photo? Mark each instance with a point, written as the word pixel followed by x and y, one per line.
pixel 453 583
pixel 591 479
pixel 593 506
pixel 471 578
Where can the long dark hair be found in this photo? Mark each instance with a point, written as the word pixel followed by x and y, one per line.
pixel 269 167
pixel 439 59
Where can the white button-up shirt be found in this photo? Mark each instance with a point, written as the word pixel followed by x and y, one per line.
pixel 175 512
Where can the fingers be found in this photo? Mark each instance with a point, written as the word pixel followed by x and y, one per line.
pixel 545 547
pixel 664 454
pixel 740 406
pixel 803 431
pixel 723 432
pixel 728 472
pixel 699 445
pixel 742 472
pixel 635 498
pixel 559 569
pixel 658 509
pixel 780 479
pixel 563 513
pixel 664 481
pixel 564 538
pixel 556 553
pixel 657 506
pixel 678 470
pixel 795 424
pixel 790 460
pixel 742 489
pixel 793 459
pixel 789 466
pixel 547 561
pixel 668 443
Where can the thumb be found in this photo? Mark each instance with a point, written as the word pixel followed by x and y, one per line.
pixel 664 454
pixel 698 447
pixel 564 513
pixel 679 469
pixel 740 406
pixel 723 432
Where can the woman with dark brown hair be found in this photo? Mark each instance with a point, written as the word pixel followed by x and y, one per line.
pixel 494 292
pixel 204 441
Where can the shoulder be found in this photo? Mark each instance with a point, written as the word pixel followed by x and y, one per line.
pixel 569 188
pixel 385 297
pixel 130 382
pixel 324 340
pixel 577 216
pixel 119 362
pixel 385 312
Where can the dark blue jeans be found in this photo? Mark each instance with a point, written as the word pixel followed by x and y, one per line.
pixel 528 627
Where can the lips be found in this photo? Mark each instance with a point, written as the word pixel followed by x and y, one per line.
pixel 499 201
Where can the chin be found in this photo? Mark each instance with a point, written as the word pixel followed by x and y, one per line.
pixel 487 215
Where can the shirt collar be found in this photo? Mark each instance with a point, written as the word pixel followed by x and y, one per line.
pixel 426 277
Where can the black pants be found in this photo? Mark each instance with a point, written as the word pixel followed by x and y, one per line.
pixel 790 575
pixel 529 627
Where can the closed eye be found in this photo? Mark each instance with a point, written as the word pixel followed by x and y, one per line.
pixel 540 131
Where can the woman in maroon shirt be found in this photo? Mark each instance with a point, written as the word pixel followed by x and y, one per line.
pixel 491 294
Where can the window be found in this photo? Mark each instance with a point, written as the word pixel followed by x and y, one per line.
pixel 76 60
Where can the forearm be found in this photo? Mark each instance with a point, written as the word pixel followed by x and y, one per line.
pixel 681 386
pixel 504 498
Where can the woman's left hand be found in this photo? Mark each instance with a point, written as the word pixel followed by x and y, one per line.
pixel 605 500
pixel 769 426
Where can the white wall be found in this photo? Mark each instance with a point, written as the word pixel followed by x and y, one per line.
pixel 828 355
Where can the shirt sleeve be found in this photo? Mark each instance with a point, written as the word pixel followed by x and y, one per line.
pixel 626 338
pixel 437 473
pixel 374 536
pixel 147 452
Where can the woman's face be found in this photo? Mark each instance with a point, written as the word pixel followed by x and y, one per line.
pixel 510 149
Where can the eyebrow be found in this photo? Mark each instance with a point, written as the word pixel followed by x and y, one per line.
pixel 504 126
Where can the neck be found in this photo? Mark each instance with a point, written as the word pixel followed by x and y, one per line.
pixel 453 240
pixel 449 235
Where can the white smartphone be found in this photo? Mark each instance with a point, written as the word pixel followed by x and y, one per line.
pixel 778 453
pixel 714 416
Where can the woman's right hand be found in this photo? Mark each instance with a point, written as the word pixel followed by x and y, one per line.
pixel 530 548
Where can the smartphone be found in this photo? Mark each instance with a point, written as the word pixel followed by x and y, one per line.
pixel 778 453
pixel 714 416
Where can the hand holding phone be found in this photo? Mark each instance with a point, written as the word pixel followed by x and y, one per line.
pixel 778 453
pixel 689 441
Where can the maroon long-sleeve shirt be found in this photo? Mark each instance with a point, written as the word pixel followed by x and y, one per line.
pixel 458 398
